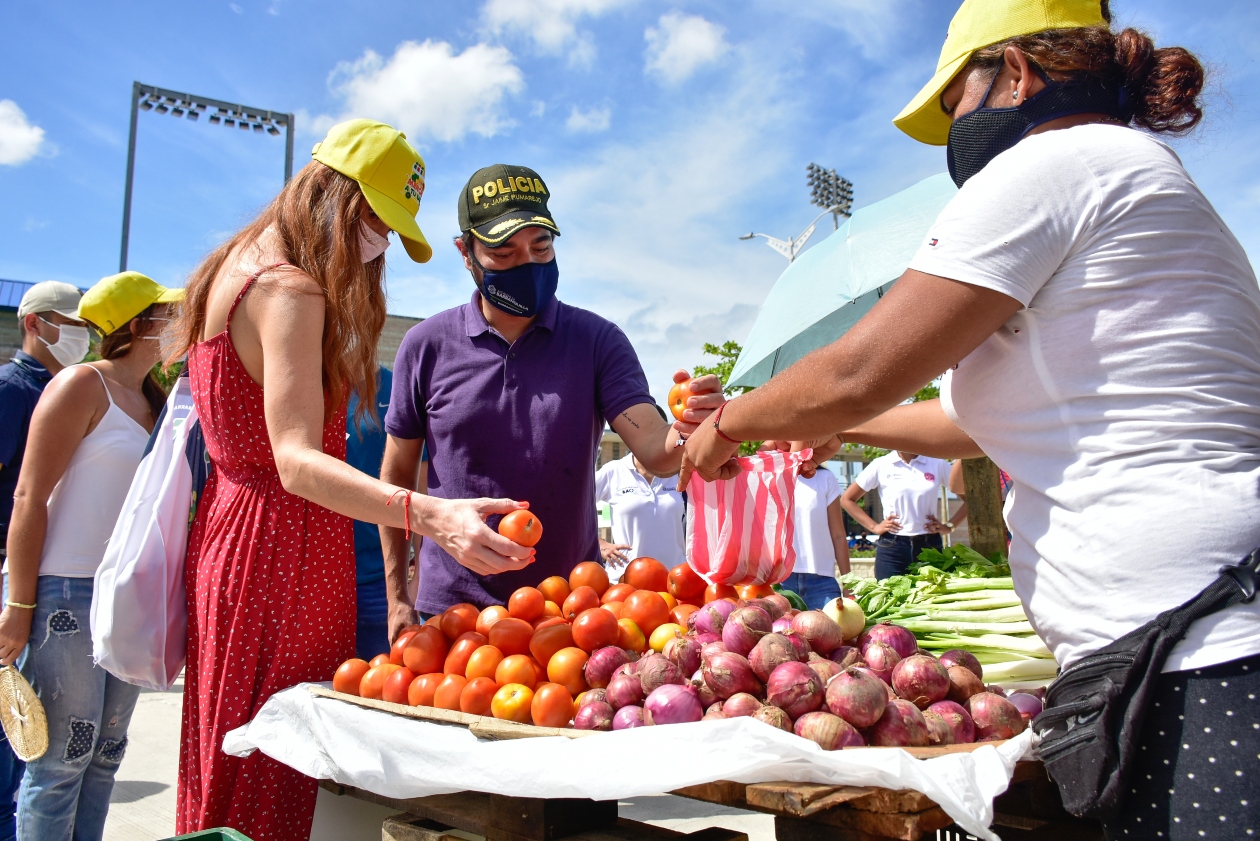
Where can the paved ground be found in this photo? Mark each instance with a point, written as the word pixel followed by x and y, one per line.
pixel 143 807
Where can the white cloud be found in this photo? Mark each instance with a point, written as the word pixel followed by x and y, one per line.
pixel 427 90
pixel 551 25
pixel 19 139
pixel 682 45
pixel 236 8
pixel 594 120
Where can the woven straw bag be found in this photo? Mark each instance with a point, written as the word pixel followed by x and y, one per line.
pixel 22 716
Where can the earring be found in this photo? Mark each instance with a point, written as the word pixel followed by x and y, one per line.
pixel 1014 94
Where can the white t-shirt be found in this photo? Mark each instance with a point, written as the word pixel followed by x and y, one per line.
pixel 649 516
pixel 911 491
pixel 811 536
pixel 1124 400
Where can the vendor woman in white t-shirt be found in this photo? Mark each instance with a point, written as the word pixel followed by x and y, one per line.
pixel 909 490
pixel 1101 329
pixel 648 516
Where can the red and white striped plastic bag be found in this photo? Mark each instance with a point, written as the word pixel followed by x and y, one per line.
pixel 739 531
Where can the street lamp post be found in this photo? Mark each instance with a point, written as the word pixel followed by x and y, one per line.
pixel 229 114
pixel 827 190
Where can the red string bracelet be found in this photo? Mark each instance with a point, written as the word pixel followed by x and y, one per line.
pixel 717 416
pixel 406 508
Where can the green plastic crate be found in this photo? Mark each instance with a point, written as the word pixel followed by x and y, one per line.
pixel 211 835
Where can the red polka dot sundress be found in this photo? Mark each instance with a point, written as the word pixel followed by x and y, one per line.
pixel 271 603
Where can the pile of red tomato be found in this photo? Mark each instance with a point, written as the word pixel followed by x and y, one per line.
pixel 525 662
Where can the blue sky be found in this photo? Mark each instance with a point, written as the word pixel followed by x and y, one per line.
pixel 664 130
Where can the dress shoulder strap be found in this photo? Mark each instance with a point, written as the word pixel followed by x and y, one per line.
pixel 241 295
pixel 104 384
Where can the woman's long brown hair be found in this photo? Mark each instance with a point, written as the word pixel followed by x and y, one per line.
pixel 317 217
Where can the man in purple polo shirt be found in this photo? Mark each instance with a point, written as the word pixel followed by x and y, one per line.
pixel 510 392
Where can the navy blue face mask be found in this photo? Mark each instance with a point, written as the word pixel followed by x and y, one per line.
pixel 521 290
pixel 979 137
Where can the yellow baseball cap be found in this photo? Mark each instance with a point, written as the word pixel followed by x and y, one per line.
pixel 389 171
pixel 977 24
pixel 115 300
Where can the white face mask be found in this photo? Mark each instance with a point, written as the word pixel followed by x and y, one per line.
pixel 71 345
pixel 371 244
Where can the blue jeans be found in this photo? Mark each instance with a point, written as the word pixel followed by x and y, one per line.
pixel 895 552
pixel 65 793
pixel 816 590
pixel 372 629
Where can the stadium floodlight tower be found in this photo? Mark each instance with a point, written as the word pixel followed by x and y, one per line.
pixel 829 191
pixel 228 114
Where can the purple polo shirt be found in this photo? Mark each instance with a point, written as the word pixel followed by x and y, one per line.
pixel 522 422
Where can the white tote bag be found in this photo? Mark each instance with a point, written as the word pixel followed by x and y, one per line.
pixel 139 612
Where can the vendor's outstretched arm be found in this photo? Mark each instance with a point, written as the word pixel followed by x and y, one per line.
pixel 924 325
pixel 921 428
pixel 652 439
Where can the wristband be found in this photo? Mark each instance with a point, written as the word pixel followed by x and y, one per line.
pixel 717 416
pixel 12 603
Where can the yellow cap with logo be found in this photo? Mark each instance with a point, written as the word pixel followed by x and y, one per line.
pixel 389 171
pixel 115 300
pixel 977 24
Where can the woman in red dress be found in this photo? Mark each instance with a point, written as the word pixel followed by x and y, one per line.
pixel 280 324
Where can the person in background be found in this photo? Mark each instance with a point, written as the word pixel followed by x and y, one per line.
pixel 822 547
pixel 280 327
pixel 510 393
pixel 365 446
pixel 52 338
pixel 87 436
pixel 909 485
pixel 648 516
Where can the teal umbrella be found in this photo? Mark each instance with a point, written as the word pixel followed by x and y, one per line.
pixel 832 285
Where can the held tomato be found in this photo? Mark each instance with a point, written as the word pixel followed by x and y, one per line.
pixel 483 662
pixel 582 598
pixel 457 660
pixel 476 695
pixel 512 703
pixel 373 682
pixel 489 616
pixel 616 593
pixel 646 574
pixel 458 619
pixel 595 628
pixel 719 591
pixel 350 674
pixel 647 609
pixel 630 637
pixel 521 526
pixel 527 603
pixel 397 684
pixel 677 398
pixel 379 660
pixel 396 650
pixel 516 669
pixel 420 693
pixel 511 635
pixel 685 584
pixel 566 668
pixel 552 706
pixel 589 574
pixel 446 697
pixel 547 641
pixel 426 651
pixel 555 589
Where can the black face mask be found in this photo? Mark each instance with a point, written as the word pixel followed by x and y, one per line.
pixel 521 290
pixel 982 135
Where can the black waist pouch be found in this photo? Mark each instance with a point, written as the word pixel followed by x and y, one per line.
pixel 1096 707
